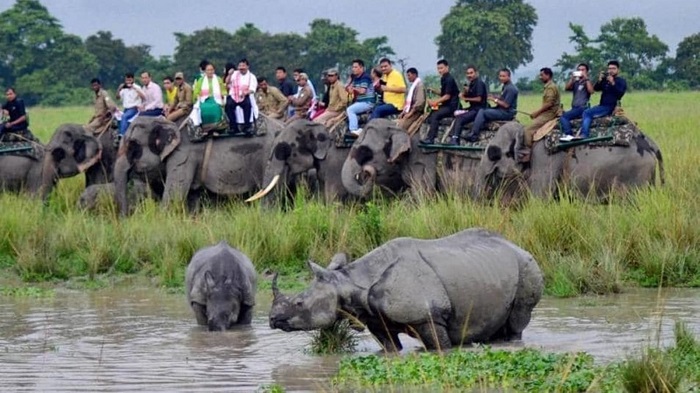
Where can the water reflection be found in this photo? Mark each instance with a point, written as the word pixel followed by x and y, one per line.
pixel 131 340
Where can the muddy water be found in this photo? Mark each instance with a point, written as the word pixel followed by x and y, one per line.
pixel 146 340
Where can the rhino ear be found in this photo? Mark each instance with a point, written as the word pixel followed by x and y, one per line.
pixel 209 280
pixel 228 281
pixel 319 272
pixel 338 261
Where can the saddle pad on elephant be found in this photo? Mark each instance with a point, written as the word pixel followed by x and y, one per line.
pixel 605 131
pixel 21 148
pixel 220 130
pixel 466 149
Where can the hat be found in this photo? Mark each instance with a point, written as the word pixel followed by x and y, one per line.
pixel 332 71
pixel 179 75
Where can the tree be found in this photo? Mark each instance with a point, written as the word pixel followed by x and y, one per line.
pixel 38 57
pixel 626 40
pixel 115 58
pixel 213 44
pixel 687 62
pixel 490 34
pixel 336 45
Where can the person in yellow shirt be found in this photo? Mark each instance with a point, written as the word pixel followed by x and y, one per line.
pixel 393 88
pixel 170 94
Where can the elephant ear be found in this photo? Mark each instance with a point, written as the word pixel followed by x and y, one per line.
pixel 163 138
pixel 87 150
pixel 400 143
pixel 323 141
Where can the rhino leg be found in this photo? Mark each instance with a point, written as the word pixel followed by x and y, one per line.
pixel 200 313
pixel 529 292
pixel 245 316
pixel 387 338
pixel 433 336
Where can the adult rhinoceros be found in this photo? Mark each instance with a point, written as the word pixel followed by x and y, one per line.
pixel 473 286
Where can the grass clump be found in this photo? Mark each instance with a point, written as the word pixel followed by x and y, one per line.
pixel 675 369
pixel 338 338
pixel 486 368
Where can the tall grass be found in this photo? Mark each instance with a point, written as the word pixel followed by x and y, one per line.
pixel 650 238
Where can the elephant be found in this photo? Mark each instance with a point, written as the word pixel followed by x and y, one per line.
pixel 90 197
pixel 70 151
pixel 302 147
pixel 386 156
pixel 590 169
pixel 473 286
pixel 159 151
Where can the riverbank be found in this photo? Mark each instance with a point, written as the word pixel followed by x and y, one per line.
pixel 651 238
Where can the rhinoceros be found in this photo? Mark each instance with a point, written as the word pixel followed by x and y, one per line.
pixel 221 282
pixel 473 286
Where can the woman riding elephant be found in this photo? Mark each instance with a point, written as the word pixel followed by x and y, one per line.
pixel 208 98
pixel 592 170
pixel 157 148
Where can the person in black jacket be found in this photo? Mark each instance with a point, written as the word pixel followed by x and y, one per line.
pixel 16 113
pixel 613 88
pixel 446 104
pixel 476 95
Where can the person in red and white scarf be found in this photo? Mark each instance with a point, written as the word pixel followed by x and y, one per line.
pixel 241 85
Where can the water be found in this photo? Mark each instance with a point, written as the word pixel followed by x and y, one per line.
pixel 143 339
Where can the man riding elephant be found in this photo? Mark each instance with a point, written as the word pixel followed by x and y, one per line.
pixel 104 108
pixel 15 111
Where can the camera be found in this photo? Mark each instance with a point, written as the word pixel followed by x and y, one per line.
pixel 604 74
pixel 577 74
pixel 383 83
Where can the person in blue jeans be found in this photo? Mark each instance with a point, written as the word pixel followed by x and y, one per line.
pixel 613 88
pixel 361 88
pixel 506 106
pixel 582 89
pixel 132 97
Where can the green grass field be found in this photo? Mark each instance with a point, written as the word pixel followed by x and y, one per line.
pixel 653 238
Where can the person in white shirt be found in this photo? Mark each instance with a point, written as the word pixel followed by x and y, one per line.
pixel 131 95
pixel 241 107
pixel 153 97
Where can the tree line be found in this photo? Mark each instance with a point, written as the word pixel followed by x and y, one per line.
pixel 51 67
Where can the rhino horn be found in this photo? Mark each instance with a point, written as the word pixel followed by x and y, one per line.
pixel 275 289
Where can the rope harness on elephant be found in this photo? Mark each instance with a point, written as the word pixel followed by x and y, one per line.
pixel 205 162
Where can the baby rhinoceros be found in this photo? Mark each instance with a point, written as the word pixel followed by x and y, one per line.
pixel 220 283
pixel 473 286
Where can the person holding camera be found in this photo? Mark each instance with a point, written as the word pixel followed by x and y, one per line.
pixel 393 89
pixel 131 95
pixel 582 89
pixel 613 88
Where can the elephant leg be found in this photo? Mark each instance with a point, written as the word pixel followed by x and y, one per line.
pixel 200 313
pixel 434 336
pixel 245 316
pixel 178 182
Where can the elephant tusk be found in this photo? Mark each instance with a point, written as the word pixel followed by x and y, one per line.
pixel 266 191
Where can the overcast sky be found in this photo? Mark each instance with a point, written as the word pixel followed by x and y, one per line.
pixel 411 28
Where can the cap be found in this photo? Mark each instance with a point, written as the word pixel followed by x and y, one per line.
pixel 179 75
pixel 332 71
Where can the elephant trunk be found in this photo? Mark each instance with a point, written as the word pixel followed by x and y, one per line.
pixel 49 175
pixel 358 180
pixel 121 172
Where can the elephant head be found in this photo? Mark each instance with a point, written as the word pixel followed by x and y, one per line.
pixel 375 158
pixel 295 150
pixel 145 147
pixel 499 165
pixel 70 151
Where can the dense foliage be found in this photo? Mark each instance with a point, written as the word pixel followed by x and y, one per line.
pixel 35 49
